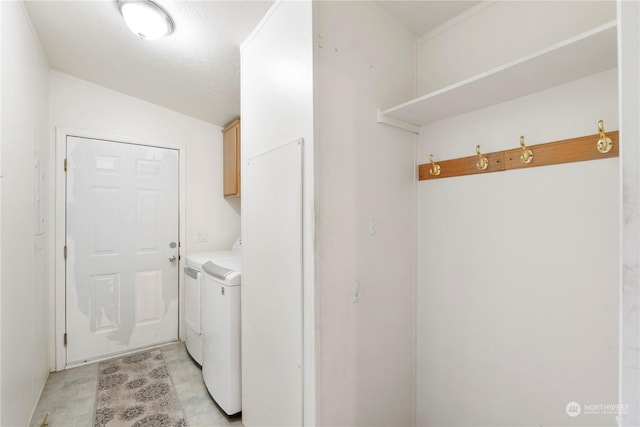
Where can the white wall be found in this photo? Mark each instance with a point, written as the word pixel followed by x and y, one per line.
pixel 277 107
pixel 365 178
pixel 364 172
pixel 502 31
pixel 629 60
pixel 24 335
pixel 518 271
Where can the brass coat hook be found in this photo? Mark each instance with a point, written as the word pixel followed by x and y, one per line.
pixel 605 144
pixel 435 168
pixel 483 162
pixel 527 154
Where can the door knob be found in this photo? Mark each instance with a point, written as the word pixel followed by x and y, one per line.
pixel 172 258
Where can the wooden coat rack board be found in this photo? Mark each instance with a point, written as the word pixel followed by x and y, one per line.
pixel 552 153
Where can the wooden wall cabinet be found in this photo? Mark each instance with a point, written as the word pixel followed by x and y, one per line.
pixel 231 158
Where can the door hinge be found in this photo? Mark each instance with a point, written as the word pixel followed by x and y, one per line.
pixel 65 251
pixel 64 339
pixel 65 165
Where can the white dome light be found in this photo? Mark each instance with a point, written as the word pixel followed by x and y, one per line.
pixel 146 19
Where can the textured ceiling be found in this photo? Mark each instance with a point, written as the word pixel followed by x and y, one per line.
pixel 195 70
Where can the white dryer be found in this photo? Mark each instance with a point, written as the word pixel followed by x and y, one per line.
pixel 193 278
pixel 221 332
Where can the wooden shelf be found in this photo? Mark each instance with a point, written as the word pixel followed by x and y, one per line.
pixel 589 53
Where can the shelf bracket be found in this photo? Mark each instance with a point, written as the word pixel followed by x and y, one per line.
pixel 401 124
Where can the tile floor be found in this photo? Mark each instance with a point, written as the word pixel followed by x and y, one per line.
pixel 69 396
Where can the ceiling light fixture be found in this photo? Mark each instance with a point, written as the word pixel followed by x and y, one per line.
pixel 145 18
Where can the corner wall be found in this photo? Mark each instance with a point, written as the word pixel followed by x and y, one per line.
pixel 24 145
pixel 365 175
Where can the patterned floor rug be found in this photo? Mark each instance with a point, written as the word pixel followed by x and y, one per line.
pixel 137 391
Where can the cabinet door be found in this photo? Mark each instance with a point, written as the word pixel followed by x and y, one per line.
pixel 231 155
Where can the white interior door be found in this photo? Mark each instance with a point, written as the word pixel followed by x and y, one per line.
pixel 122 245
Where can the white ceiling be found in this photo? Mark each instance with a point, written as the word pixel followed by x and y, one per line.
pixel 196 70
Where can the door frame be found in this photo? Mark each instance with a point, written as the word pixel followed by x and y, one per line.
pixel 57 228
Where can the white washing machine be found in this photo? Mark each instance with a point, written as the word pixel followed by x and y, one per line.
pixel 221 332
pixel 193 278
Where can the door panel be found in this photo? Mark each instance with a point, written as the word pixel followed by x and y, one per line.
pixel 148 301
pixel 105 208
pixel 147 220
pixel 122 218
pixel 106 302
